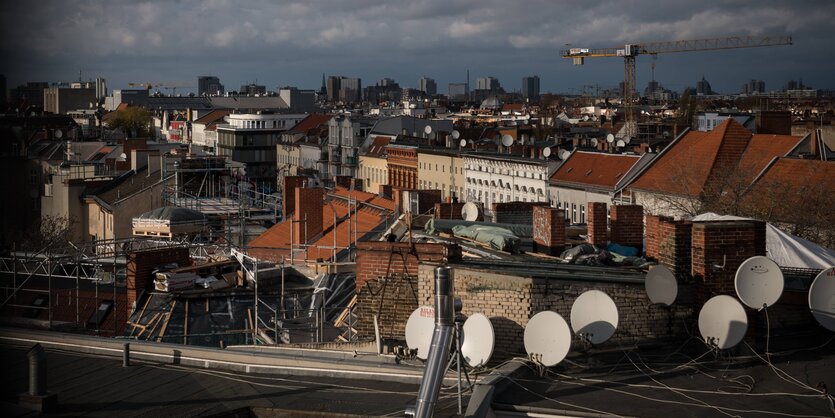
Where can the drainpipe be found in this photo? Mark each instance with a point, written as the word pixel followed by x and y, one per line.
pixel 433 374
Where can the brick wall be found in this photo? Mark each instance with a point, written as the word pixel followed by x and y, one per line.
pixel 288 193
pixel 510 301
pixel 387 282
pixel 308 206
pixel 669 242
pixel 140 264
pixel 715 243
pixel 448 210
pixel 627 226
pixel 548 230
pixel 598 224
pixel 515 212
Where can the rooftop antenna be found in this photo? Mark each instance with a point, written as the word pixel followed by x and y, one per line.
pixel 722 322
pixel 547 338
pixel 820 298
pixel 759 282
pixel 469 211
pixel 477 340
pixel 419 328
pixel 661 285
pixel 594 316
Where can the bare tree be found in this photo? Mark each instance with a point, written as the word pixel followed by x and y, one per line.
pixel 51 233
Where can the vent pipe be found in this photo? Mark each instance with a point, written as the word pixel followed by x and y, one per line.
pixel 433 374
pixel 37 371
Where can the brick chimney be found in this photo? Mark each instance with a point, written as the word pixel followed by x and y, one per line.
pixel 288 193
pixel 548 230
pixel 308 203
pixel 597 224
pixel 628 226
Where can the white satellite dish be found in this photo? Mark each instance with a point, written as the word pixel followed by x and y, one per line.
pixel 546 152
pixel 627 139
pixel 419 330
pixel 59 134
pixel 469 211
pixel 427 129
pixel 822 298
pixel 594 142
pixel 456 134
pixel 547 338
pixel 477 340
pixel 507 140
pixel 564 154
pixel 620 143
pixel 463 143
pixel 759 282
pixel 722 322
pixel 586 118
pixel 594 316
pixel 610 138
pixel 661 285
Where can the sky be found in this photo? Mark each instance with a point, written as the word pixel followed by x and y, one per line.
pixel 279 43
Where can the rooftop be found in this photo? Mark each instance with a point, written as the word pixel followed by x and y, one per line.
pixel 594 169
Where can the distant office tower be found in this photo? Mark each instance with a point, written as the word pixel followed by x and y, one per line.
pixel 30 93
pixel 209 85
pixel 350 89
pixel 487 83
pixel 386 82
pixel 703 87
pixel 252 90
pixel 427 85
pixel 101 88
pixel 457 91
pixel 333 85
pixel 753 87
pixel 530 87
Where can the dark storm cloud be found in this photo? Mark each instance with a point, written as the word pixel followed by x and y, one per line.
pixel 294 42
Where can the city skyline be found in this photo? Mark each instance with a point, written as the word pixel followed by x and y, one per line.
pixel 293 44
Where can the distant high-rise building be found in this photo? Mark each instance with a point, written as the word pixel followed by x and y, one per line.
pixel 60 100
pixel 209 85
pixel 427 85
pixel 487 83
pixel 350 89
pixel 101 88
pixel 703 88
pixel 753 87
pixel 530 87
pixel 457 91
pixel 386 82
pixel 252 90
pixel 31 93
pixel 333 85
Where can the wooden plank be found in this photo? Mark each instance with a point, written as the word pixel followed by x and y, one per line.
pixel 147 301
pixel 165 324
pixel 339 321
pixel 152 324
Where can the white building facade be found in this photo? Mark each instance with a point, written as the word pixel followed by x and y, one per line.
pixel 499 178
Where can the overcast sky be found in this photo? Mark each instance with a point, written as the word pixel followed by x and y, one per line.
pixel 293 43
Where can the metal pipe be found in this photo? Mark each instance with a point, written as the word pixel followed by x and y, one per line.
pixel 37 371
pixel 433 374
pixel 126 355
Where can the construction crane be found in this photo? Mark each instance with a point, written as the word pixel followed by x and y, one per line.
pixel 630 51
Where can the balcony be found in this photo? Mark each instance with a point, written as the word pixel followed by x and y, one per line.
pixel 351 161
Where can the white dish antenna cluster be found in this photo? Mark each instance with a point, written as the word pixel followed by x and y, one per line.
pixel 456 134
pixel 462 143
pixel 723 322
pixel 469 211
pixel 564 154
pixel 661 285
pixel 428 129
pixel 507 140
pixel 477 340
pixel 610 138
pixel 419 328
pixel 546 152
pixel 759 282
pixel 594 142
pixel 620 143
pixel 594 316
pixel 822 298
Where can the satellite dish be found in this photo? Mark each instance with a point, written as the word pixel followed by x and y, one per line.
pixel 620 143
pixel 546 152
pixel 594 142
pixel 507 140
pixel 564 154
pixel 59 133
pixel 477 340
pixel 610 138
pixel 547 338
pixel 759 282
pixel 469 211
pixel 456 134
pixel 463 143
pixel 427 129
pixel 586 118
pixel 661 285
pixel 594 315
pixel 722 322
pixel 419 330
pixel 822 298
pixel 627 139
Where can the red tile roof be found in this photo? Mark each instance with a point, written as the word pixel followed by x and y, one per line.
pixel 275 242
pixel 698 159
pixel 378 146
pixel 594 169
pixel 212 117
pixel 310 122
pixel 789 186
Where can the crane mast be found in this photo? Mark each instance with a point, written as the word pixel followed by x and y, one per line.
pixel 630 51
